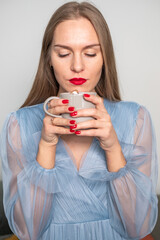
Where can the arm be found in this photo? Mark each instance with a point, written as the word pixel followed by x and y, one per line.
pixel 132 198
pixel 115 159
pixel 28 197
pixel 47 152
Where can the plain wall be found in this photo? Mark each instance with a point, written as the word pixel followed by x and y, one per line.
pixel 135 30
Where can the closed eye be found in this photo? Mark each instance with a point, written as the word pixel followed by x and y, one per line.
pixel 63 55
pixel 87 54
pixel 90 55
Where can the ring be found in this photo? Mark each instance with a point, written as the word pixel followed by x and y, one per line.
pixel 52 120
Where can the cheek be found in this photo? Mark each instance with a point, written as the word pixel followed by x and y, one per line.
pixel 59 74
pixel 97 64
pixel 57 67
pixel 97 69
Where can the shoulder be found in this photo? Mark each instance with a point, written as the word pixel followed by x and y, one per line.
pixel 122 107
pixel 29 118
pixel 128 109
pixel 31 111
pixel 124 116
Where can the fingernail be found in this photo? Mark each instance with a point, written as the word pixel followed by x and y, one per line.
pixel 65 101
pixel 86 95
pixel 77 132
pixel 73 114
pixel 71 108
pixel 71 127
pixel 71 130
pixel 72 122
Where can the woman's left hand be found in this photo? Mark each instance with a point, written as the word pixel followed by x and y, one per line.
pixel 101 127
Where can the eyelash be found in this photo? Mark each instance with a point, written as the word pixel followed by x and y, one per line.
pixel 65 55
pixel 90 55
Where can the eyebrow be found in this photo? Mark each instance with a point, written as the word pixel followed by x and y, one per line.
pixel 67 47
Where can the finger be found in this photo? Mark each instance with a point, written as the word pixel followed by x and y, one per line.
pixel 97 100
pixel 94 124
pixel 51 128
pixel 58 121
pixel 57 110
pixel 91 112
pixel 55 102
pixel 63 122
pixel 60 130
pixel 47 120
pixel 92 132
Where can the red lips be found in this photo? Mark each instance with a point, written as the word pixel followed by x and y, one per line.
pixel 78 81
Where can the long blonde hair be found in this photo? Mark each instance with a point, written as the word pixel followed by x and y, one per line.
pixel 45 84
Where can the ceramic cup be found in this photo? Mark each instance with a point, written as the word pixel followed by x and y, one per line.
pixel 76 100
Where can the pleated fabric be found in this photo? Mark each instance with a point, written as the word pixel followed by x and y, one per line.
pixel 91 203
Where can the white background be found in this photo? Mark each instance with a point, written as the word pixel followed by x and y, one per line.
pixel 135 30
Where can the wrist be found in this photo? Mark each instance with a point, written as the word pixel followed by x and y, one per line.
pixel 115 158
pixel 47 145
pixel 46 154
pixel 114 149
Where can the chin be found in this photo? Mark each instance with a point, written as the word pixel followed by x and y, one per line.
pixel 79 88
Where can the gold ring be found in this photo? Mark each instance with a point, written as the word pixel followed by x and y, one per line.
pixel 52 120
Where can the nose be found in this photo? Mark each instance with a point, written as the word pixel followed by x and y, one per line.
pixel 77 64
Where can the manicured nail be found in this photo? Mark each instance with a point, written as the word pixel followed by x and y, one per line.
pixel 72 122
pixel 71 108
pixel 73 114
pixel 71 130
pixel 71 127
pixel 65 101
pixel 77 132
pixel 86 95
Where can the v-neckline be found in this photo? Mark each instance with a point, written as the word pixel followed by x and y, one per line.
pixel 71 156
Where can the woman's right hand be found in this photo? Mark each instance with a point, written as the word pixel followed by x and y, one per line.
pixel 53 127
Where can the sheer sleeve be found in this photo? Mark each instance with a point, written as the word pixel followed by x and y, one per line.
pixel 131 197
pixel 28 188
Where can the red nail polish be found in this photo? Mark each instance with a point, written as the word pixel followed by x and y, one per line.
pixel 86 95
pixel 71 130
pixel 71 108
pixel 72 122
pixel 71 127
pixel 65 101
pixel 73 114
pixel 77 132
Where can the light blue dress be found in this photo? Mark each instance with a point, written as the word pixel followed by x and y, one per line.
pixel 90 204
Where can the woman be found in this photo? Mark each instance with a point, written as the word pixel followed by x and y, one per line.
pixel 65 183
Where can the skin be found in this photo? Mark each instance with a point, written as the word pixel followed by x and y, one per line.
pixel 76 53
pixel 79 59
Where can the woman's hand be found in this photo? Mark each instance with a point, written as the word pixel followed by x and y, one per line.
pixel 101 127
pixel 52 126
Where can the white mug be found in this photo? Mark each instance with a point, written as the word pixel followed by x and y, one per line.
pixel 76 100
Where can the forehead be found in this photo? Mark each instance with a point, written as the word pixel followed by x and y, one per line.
pixel 77 31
